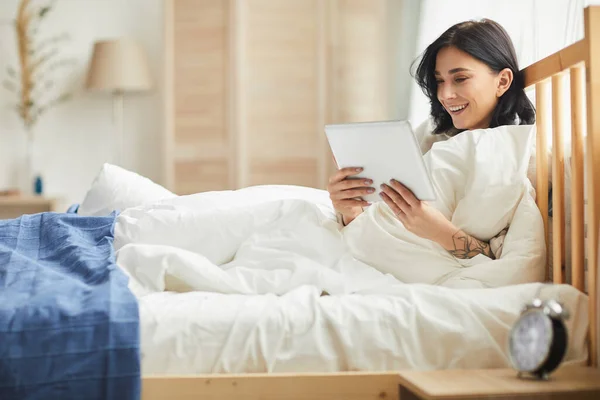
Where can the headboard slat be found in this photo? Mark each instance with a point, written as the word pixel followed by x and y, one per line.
pixel 558 179
pixel 542 90
pixel 578 115
pixel 592 51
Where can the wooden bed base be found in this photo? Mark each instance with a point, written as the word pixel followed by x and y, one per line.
pixel 577 65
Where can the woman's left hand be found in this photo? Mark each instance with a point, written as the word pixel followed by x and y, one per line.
pixel 416 215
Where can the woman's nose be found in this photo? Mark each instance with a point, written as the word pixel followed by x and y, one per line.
pixel 446 92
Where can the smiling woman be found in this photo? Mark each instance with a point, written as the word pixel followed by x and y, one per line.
pixel 471 76
pixel 472 79
pixel 468 94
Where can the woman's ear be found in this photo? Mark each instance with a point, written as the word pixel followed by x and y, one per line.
pixel 505 78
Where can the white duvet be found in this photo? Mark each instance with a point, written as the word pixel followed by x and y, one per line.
pixel 264 279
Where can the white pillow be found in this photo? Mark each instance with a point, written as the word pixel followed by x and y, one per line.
pixel 426 140
pixel 250 195
pixel 116 188
pixel 483 174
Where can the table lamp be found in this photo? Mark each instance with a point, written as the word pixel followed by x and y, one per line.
pixel 118 66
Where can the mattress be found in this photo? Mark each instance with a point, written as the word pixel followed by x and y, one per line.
pixel 410 327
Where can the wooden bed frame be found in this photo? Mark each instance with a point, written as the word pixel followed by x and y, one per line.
pixel 578 65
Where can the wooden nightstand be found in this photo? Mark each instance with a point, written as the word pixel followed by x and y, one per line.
pixel 500 384
pixel 15 206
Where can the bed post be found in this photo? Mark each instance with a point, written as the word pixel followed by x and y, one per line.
pixel 592 36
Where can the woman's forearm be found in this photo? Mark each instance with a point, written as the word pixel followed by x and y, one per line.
pixel 462 245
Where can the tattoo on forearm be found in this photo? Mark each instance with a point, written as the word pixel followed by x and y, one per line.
pixel 466 246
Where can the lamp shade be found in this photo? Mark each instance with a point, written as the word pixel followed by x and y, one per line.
pixel 119 66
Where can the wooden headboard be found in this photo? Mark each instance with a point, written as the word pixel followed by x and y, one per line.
pixel 571 78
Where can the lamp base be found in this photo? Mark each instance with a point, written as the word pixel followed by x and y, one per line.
pixel 118 105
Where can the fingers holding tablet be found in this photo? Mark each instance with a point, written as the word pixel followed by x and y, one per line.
pixel 346 191
pixel 344 173
pixel 343 186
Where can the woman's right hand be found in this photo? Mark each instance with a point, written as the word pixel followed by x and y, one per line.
pixel 345 193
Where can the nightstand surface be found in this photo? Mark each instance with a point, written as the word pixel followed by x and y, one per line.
pixel 15 206
pixel 566 382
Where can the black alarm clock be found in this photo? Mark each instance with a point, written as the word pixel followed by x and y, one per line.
pixel 538 339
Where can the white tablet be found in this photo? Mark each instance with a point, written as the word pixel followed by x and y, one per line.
pixel 385 150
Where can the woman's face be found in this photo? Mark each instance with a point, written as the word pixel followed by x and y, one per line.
pixel 468 89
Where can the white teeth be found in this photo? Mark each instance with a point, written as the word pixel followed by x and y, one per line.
pixel 457 108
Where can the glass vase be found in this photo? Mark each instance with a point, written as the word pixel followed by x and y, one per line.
pixel 27 166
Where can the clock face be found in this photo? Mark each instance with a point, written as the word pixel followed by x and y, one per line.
pixel 530 341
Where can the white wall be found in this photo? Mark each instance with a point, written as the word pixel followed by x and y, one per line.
pixel 404 26
pixel 74 139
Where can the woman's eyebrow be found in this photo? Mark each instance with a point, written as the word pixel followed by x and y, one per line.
pixel 454 70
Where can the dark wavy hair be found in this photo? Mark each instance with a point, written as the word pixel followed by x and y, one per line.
pixel 488 42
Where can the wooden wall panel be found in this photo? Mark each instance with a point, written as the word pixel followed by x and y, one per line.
pixel 200 34
pixel 361 61
pixel 358 64
pixel 250 85
pixel 202 174
pixel 280 91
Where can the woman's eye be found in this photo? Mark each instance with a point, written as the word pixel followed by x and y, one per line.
pixel 460 79
pixel 439 82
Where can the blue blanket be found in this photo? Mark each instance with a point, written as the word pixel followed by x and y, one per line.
pixel 69 326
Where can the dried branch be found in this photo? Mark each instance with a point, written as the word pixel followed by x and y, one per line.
pixel 36 17
pixel 50 66
pixel 43 59
pixel 43 11
pixel 12 86
pixel 36 61
pixel 42 109
pixel 11 72
pixel 50 41
pixel 22 28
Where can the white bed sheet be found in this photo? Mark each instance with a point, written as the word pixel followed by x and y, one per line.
pixel 411 327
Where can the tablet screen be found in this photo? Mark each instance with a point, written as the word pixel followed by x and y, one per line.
pixel 385 150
